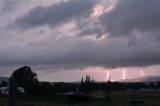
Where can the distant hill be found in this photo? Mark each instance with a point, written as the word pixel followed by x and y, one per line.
pixel 151 78
pixel 4 79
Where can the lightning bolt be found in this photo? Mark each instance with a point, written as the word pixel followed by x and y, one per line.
pixel 124 74
pixel 108 75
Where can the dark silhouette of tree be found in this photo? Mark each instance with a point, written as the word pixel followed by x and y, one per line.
pixel 87 85
pixel 81 86
pixel 24 74
pixel 45 89
pixel 26 78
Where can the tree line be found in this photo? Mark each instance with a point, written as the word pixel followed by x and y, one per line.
pixel 26 78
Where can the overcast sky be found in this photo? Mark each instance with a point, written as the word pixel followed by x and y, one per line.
pixel 63 40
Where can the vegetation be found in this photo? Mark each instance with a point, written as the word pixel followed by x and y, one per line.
pixel 24 74
pixel 28 79
pixel 118 99
pixel 39 93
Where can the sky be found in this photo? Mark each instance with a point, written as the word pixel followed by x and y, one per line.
pixel 65 40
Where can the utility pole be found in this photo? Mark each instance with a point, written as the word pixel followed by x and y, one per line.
pixel 12 91
pixel 108 90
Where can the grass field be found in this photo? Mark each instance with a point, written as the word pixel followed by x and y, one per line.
pixel 118 99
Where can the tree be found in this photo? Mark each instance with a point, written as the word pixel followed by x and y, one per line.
pixel 26 78
pixel 87 85
pixel 24 74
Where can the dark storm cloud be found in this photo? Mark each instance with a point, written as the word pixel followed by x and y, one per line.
pixel 9 4
pixel 56 14
pixel 136 20
pixel 89 27
pixel 73 53
pixel 131 15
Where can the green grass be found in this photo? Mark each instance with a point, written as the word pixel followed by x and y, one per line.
pixel 118 99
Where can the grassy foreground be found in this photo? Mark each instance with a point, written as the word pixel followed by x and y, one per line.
pixel 118 99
